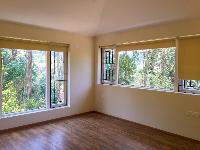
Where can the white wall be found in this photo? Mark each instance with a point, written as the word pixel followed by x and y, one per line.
pixel 81 72
pixel 162 110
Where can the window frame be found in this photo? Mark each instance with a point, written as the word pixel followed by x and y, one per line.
pixel 48 85
pixel 178 84
pixel 113 79
pixel 183 87
pixel 65 59
pixel 116 70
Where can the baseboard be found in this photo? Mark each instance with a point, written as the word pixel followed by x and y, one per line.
pixel 41 123
pixel 165 132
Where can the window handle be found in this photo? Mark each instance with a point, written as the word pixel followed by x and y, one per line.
pixel 60 80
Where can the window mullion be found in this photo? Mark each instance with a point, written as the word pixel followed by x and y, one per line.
pixel 1 75
pixel 116 69
pixel 176 79
pixel 48 78
pixel 65 78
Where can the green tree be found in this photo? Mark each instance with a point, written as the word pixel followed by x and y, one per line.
pixel 24 82
pixel 149 68
pixel 127 67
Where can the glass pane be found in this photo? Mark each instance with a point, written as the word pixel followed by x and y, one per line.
pixel 108 65
pixel 58 83
pixel 192 84
pixel 23 80
pixel 154 68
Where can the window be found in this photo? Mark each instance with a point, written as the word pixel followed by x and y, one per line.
pixel 23 80
pixel 152 68
pixel 149 68
pixel 188 64
pixel 58 79
pixel 189 86
pixel 108 66
pixel 153 64
pixel 32 79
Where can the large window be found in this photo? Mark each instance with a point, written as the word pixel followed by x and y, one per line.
pixel 32 79
pixel 166 64
pixel 189 86
pixel 23 80
pixel 153 68
pixel 149 68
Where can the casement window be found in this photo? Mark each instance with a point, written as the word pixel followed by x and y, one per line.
pixel 190 86
pixel 33 75
pixel 149 65
pixel 58 79
pixel 108 65
pixel 169 64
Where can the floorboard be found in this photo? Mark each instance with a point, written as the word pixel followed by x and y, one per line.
pixel 93 131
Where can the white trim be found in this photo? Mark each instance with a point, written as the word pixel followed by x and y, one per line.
pixel 117 67
pixel 150 89
pixel 192 91
pixel 12 115
pixel 68 78
pixel 48 80
pixel 176 79
pixel 1 96
pixel 65 78
pixel 65 82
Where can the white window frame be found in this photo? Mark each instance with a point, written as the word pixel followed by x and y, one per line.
pixel 184 89
pixel 116 70
pixel 48 86
pixel 65 81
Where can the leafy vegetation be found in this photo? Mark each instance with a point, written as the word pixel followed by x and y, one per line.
pixel 23 79
pixel 153 68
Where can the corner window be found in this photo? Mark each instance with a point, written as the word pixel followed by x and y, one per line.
pixel 152 64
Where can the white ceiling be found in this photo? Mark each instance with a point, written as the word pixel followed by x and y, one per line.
pixel 92 17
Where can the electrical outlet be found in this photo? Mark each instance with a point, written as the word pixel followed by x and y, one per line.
pixel 193 114
pixel 189 113
pixel 196 114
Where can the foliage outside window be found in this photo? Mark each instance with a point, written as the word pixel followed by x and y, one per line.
pixel 58 79
pixel 189 86
pixel 151 68
pixel 24 80
pixel 108 66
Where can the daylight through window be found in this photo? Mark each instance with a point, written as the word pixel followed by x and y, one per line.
pixel 150 68
pixel 32 79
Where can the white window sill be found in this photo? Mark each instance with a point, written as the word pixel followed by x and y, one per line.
pixel 152 89
pixel 9 115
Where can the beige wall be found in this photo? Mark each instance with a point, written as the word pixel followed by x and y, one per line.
pixel 81 72
pixel 162 110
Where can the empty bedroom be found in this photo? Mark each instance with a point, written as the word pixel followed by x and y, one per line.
pixel 100 75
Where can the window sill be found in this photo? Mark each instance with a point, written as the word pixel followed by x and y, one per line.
pixel 150 89
pixel 10 115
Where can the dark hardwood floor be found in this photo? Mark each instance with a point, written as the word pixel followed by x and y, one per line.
pixel 92 131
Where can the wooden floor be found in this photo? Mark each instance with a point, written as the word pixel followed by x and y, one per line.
pixel 93 131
